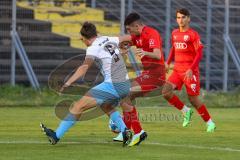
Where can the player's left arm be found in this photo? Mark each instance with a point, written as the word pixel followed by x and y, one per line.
pixel 198 47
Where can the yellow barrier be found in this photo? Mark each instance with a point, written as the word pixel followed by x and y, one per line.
pixel 67 19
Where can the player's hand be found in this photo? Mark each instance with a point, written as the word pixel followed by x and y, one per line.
pixel 123 51
pixel 124 45
pixel 167 67
pixel 188 75
pixel 140 52
pixel 64 86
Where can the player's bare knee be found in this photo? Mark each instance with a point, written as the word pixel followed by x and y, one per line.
pixel 80 107
pixel 194 101
pixel 167 94
pixel 126 107
pixel 75 110
pixel 167 91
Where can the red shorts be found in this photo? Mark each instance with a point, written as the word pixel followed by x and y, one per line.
pixel 192 86
pixel 150 81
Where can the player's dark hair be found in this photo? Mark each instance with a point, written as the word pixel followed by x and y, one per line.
pixel 88 30
pixel 183 11
pixel 132 17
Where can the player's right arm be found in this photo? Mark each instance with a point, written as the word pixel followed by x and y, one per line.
pixel 81 71
pixel 125 38
pixel 91 54
pixel 170 57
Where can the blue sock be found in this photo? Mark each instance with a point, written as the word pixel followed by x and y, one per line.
pixel 117 119
pixel 65 125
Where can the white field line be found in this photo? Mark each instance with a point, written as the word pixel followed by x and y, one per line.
pixel 227 149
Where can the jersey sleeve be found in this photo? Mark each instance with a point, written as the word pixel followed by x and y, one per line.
pixel 171 52
pixel 114 40
pixel 91 52
pixel 197 44
pixel 198 47
pixel 170 56
pixel 154 40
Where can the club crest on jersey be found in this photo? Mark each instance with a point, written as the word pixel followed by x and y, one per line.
pixel 151 42
pixel 186 38
pixel 193 87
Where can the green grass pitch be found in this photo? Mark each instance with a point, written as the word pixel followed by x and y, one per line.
pixel 21 138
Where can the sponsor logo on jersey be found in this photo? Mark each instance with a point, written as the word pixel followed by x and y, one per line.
pixel 180 45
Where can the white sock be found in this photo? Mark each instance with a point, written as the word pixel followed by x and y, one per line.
pixel 209 121
pixel 185 109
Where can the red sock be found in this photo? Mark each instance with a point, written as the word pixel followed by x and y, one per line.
pixel 175 101
pixel 136 126
pixel 204 113
pixel 127 119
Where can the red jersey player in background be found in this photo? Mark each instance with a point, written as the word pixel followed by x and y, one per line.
pixel 187 52
pixel 149 49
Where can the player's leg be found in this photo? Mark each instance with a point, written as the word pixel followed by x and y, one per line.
pixel 203 112
pixel 175 82
pixel 139 87
pixel 120 90
pixel 130 111
pixel 125 133
pixel 131 116
pixel 102 93
pixel 85 103
pixel 146 83
pixel 193 90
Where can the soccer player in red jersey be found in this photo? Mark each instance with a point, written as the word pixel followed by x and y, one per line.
pixel 187 52
pixel 149 48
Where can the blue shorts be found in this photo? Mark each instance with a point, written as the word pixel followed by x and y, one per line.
pixel 110 93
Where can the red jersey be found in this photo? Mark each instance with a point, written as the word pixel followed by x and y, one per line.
pixel 147 41
pixel 185 47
